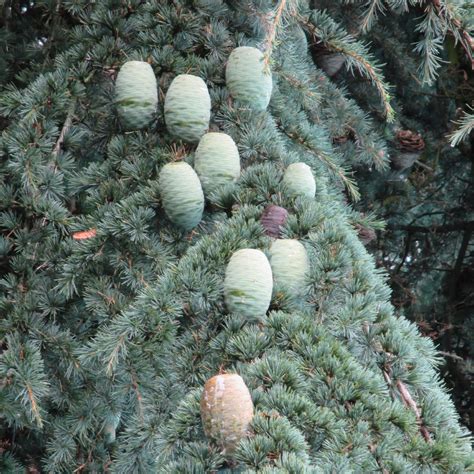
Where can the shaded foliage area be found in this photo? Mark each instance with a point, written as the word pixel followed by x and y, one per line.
pixel 426 198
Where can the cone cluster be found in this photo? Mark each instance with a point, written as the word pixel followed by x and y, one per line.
pixel 226 404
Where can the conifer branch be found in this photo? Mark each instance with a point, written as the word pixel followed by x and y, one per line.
pixel 114 355
pixel 454 23
pixel 138 395
pixel 272 32
pixel 409 402
pixel 373 73
pixel 67 125
pixel 372 10
pixel 465 125
pixel 440 18
pixel 325 30
pixel 336 170
pixel 34 406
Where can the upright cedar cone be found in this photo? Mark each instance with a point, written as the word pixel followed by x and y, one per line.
pixel 226 410
pixel 290 264
pixel 248 79
pixel 136 95
pixel 299 180
pixel 248 283
pixel 187 108
pixel 181 194
pixel 273 218
pixel 217 161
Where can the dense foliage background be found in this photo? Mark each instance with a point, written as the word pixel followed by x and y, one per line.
pixel 380 95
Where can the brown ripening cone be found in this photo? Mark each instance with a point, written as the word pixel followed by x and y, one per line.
pixel 410 141
pixel 366 234
pixel 226 410
pixel 273 218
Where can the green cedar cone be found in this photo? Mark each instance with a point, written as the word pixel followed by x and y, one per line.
pixel 187 108
pixel 217 161
pixel 136 95
pixel 299 180
pixel 247 79
pixel 289 262
pixel 248 283
pixel 182 196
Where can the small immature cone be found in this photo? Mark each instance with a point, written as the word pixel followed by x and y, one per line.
pixel 110 427
pixel 226 410
pixel 273 218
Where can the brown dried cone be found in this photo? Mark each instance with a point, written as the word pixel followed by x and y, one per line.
pixel 226 410
pixel 273 218
pixel 366 234
pixel 409 147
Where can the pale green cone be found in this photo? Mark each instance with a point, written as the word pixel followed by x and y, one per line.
pixel 187 108
pixel 136 95
pixel 181 194
pixel 248 79
pixel 217 161
pixel 248 283
pixel 299 180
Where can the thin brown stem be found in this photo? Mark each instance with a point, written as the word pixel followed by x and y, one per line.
pixel 67 125
pixel 409 402
pixel 270 40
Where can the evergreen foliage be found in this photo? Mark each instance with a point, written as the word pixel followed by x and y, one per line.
pixel 114 317
pixel 427 246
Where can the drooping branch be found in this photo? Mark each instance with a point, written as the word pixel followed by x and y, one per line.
pixel 409 403
pixel 464 127
pixel 357 55
pixel 455 27
pixel 272 31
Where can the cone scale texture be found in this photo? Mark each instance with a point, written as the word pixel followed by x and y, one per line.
pixel 187 108
pixel 217 161
pixel 247 78
pixel 181 193
pixel 248 283
pixel 136 95
pixel 226 410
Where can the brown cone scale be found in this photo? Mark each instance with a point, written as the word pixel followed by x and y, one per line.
pixel 226 410
pixel 273 218
pixel 409 141
pixel 410 146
